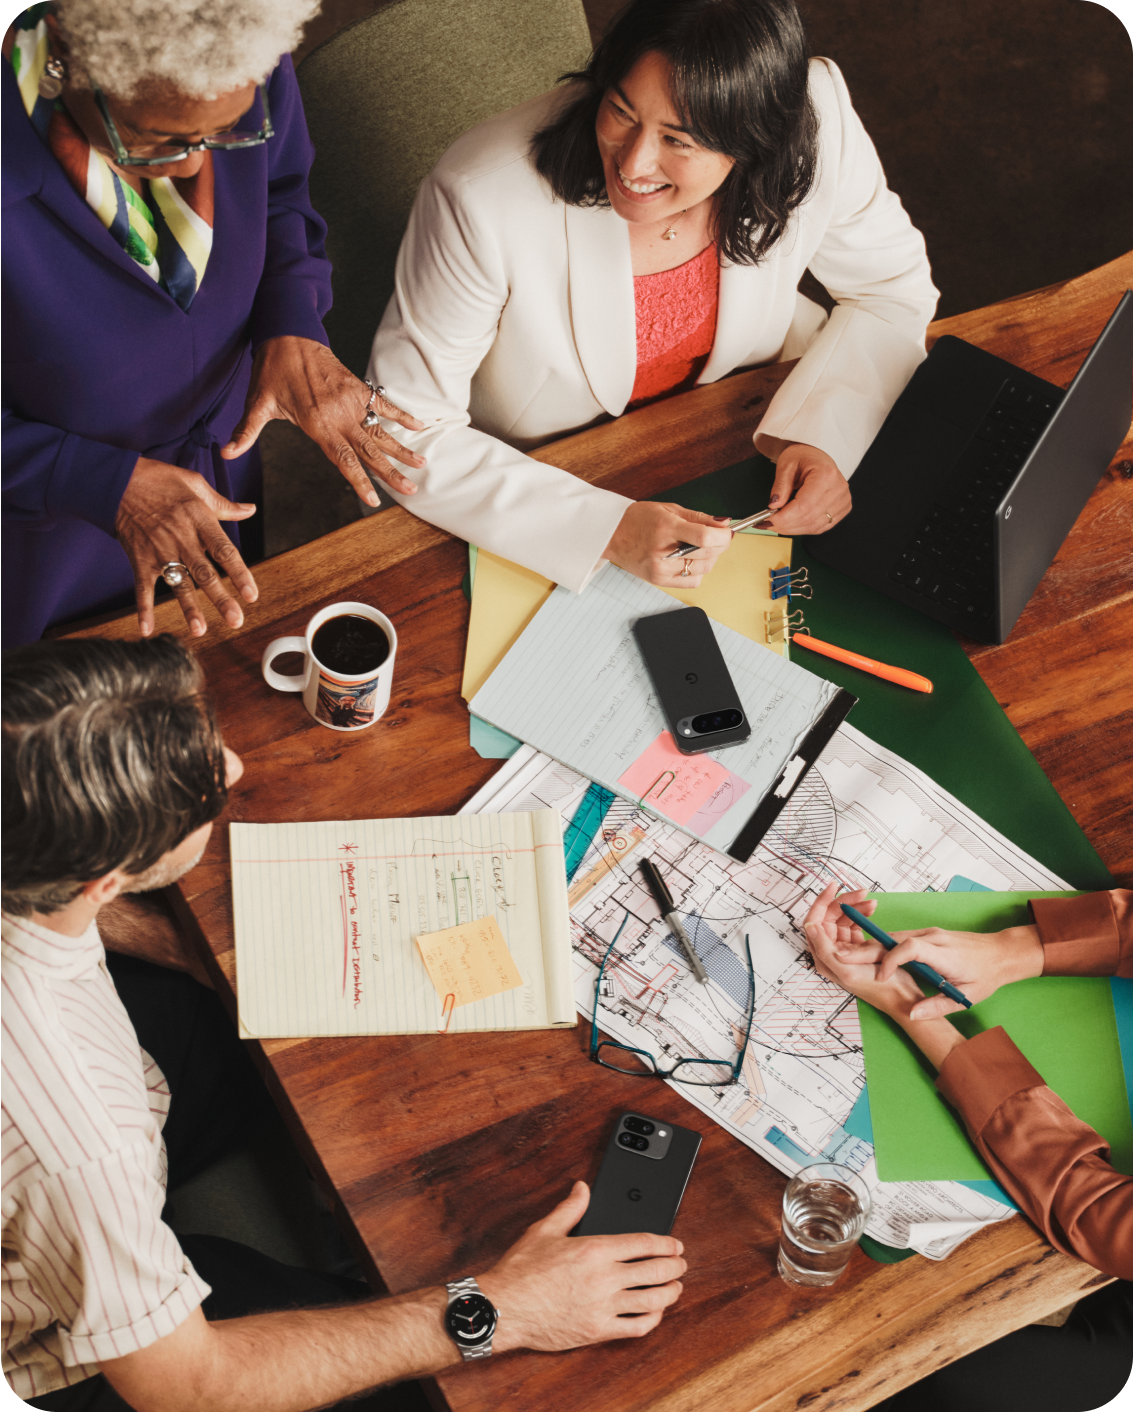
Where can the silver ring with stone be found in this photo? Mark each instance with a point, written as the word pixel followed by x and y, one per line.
pixel 371 419
pixel 686 571
pixel 175 573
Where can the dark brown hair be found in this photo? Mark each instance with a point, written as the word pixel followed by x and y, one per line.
pixel 739 84
pixel 111 757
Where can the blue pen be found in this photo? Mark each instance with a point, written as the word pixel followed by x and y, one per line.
pixel 916 968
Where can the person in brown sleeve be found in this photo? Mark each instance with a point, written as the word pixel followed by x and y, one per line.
pixel 1056 1167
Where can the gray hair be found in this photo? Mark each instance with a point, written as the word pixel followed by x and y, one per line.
pixel 203 48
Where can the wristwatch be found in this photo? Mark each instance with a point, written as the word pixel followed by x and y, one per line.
pixel 470 1319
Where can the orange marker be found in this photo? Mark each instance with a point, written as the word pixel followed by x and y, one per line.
pixel 865 664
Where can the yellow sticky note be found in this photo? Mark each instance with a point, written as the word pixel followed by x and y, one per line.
pixel 470 961
pixel 505 598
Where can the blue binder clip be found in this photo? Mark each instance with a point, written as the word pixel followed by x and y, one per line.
pixel 787 584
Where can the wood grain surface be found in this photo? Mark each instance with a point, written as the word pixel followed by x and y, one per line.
pixel 438 1151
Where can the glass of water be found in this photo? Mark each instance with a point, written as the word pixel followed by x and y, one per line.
pixel 825 1208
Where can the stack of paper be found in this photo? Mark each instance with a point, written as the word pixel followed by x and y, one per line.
pixel 505 597
pixel 575 686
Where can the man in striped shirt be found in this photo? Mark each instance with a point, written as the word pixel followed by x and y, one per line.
pixel 114 771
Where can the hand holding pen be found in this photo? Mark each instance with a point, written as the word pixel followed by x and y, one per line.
pixel 810 494
pixel 842 955
pixel 918 969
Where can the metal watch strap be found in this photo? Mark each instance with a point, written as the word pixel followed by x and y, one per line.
pixel 456 1288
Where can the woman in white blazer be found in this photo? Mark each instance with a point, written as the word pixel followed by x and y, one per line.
pixel 513 318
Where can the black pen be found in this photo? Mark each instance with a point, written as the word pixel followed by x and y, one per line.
pixel 664 900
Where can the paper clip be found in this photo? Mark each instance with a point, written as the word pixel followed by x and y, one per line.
pixel 780 624
pixel 789 584
pixel 671 780
pixel 446 1013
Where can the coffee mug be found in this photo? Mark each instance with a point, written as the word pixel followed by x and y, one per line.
pixel 346 678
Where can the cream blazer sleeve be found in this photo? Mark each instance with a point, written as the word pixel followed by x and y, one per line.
pixel 855 237
pixel 480 317
pixel 512 323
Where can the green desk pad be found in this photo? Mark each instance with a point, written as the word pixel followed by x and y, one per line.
pixel 1065 1025
pixel 958 735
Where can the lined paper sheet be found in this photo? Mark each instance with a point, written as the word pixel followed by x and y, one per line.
pixel 575 687
pixel 326 915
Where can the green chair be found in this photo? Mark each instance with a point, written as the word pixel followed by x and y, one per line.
pixel 386 96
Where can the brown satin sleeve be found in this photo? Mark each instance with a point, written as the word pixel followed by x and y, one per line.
pixel 1091 935
pixel 1055 1166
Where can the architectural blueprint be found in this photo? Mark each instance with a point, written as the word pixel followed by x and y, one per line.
pixel 862 816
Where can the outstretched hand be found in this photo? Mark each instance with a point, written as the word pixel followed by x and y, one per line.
pixel 556 1291
pixel 171 515
pixel 301 381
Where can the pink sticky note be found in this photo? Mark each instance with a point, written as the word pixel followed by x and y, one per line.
pixel 678 785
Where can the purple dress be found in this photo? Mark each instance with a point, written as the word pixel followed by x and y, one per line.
pixel 101 365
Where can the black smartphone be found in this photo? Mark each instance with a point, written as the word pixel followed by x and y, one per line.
pixel 691 679
pixel 642 1178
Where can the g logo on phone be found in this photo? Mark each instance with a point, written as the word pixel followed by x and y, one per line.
pixel 691 678
pixel 634 1193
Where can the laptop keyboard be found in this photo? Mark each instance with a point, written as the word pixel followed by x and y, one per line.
pixel 950 557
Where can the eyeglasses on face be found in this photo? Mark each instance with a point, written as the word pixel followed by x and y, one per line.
pixel 158 154
pixel 640 1063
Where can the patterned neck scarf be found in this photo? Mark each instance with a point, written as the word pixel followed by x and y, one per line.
pixel 167 228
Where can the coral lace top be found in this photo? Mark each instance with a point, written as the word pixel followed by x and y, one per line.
pixel 676 325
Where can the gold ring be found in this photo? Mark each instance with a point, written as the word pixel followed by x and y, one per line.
pixel 686 571
pixel 829 516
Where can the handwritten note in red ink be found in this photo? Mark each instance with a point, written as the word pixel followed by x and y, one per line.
pixel 470 961
pixel 679 785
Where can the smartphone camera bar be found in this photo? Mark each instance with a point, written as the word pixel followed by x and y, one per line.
pixel 710 723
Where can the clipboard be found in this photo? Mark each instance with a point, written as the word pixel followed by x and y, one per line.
pixel 776 800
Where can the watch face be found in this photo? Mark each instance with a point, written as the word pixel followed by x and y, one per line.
pixel 471 1319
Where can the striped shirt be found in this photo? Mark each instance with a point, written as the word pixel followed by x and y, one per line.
pixel 90 1271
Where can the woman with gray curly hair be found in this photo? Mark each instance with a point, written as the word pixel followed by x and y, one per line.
pixel 165 282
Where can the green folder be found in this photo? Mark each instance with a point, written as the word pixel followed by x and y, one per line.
pixel 1065 1026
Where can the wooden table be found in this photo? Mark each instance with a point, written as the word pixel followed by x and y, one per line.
pixel 438 1152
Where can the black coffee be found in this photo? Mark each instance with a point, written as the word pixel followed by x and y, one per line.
pixel 350 644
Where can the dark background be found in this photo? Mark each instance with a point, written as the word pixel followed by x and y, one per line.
pixel 1006 126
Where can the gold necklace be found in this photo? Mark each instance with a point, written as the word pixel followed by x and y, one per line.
pixel 670 231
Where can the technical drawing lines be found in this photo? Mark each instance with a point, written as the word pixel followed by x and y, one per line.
pixel 801 1015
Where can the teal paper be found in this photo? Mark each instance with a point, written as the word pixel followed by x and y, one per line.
pixel 490 743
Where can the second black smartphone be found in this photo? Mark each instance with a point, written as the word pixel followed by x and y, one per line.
pixel 692 681
pixel 642 1178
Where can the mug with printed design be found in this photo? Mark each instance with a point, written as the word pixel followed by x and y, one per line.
pixel 349 651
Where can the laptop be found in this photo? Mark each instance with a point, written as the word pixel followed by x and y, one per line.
pixel 976 477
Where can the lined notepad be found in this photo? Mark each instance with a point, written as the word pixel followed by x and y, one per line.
pixel 326 915
pixel 575 687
